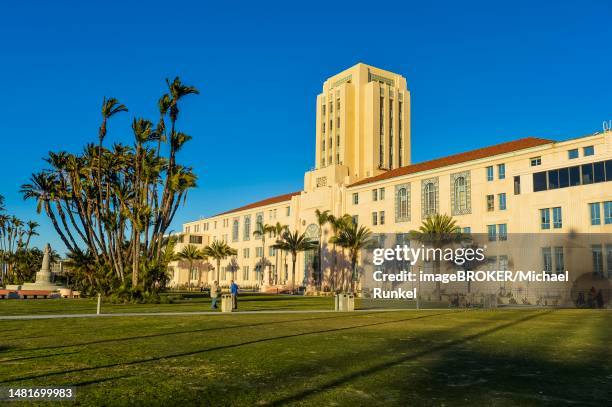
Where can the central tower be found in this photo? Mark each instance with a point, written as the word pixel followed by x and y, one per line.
pixel 363 122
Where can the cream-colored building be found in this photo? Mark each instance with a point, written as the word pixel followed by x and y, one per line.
pixel 363 168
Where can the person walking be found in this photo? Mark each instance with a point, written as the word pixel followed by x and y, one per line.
pixel 215 290
pixel 234 291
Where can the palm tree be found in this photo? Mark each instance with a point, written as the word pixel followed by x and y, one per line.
pixel 219 250
pixel 337 224
pixel 278 231
pixel 191 254
pixel 31 232
pixel 294 243
pixel 322 219
pixel 437 231
pixel 354 238
pixel 261 230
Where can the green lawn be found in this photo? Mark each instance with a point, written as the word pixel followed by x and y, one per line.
pixel 505 357
pixel 191 302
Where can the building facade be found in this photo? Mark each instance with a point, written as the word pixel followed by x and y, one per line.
pixel 363 168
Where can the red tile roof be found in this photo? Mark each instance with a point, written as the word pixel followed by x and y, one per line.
pixel 264 202
pixel 484 152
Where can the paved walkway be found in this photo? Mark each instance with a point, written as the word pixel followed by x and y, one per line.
pixel 190 313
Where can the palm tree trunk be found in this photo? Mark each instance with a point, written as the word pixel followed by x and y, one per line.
pixel 293 275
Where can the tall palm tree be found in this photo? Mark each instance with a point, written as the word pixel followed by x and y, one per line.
pixel 322 219
pixel 191 254
pixel 437 231
pixel 261 230
pixel 353 238
pixel 294 243
pixel 31 231
pixel 337 224
pixel 278 231
pixel 219 250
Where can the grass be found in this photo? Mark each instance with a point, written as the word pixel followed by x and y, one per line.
pixel 191 302
pixel 505 357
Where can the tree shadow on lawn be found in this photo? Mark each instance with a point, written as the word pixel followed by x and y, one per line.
pixel 212 349
pixel 3 361
pixel 161 334
pixel 381 367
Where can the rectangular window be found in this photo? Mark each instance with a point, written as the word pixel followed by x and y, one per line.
pixel 288 211
pixel 609 170
pixel 563 177
pixel 503 231
pixel 574 176
pixel 559 260
pixel 587 151
pixel 375 194
pixel 466 230
pixel 502 201
pixel 539 181
pixel 557 218
pixel 245 273
pixel 547 259
pixel 553 179
pixel 587 174
pixel 595 213
pixel 382 217
pixel 517 185
pixel 355 198
pixel 607 212
pixel 503 263
pixel 492 232
pixel 535 161
pixel 195 239
pixel 490 203
pixel 271 251
pixel 490 173
pixel 545 218
pixel 355 219
pixel 597 260
pixel 246 253
pixel 571 154
pixel 501 171
pixel 381 194
pixel 599 172
pixel 374 218
pixel 259 252
pixel 338 123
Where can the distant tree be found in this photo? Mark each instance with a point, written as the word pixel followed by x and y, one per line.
pixel 191 254
pixel 294 243
pixel 261 230
pixel 353 238
pixel 322 219
pixel 437 231
pixel 219 250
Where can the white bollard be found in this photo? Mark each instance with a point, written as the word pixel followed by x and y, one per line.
pixel 99 304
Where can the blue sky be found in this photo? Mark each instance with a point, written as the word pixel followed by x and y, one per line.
pixel 479 73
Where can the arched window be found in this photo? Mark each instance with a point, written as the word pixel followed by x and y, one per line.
pixel 235 230
pixel 247 227
pixel 460 194
pixel 402 197
pixel 431 204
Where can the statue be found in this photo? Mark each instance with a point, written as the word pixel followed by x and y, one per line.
pixel 43 276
